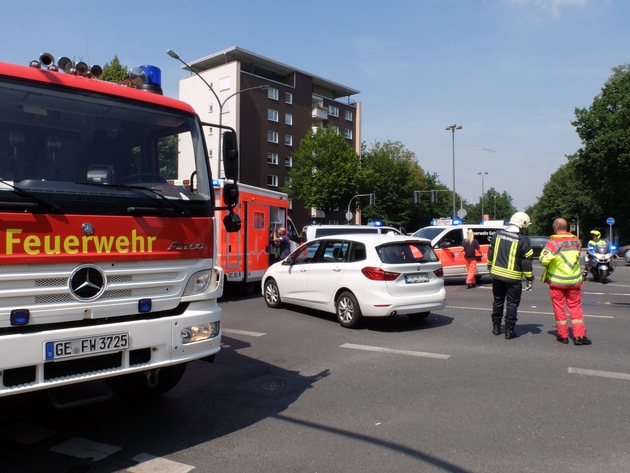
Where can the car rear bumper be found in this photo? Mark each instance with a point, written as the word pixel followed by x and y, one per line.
pixel 376 307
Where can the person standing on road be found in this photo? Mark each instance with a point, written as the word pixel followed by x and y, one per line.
pixel 509 260
pixel 561 259
pixel 472 252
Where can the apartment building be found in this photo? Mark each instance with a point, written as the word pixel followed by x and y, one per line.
pixel 272 106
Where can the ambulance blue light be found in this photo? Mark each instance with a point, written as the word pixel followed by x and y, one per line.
pixel 457 221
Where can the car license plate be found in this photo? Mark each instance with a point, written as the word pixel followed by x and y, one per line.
pixel 85 346
pixel 416 278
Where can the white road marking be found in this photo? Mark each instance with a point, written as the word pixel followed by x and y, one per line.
pixel 150 464
pixel 243 332
pixel 83 448
pixel 397 352
pixel 520 311
pixel 601 374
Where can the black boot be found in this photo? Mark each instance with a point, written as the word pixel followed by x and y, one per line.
pixel 509 332
pixel 496 329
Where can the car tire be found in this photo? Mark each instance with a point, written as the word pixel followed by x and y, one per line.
pixel 348 310
pixel 272 294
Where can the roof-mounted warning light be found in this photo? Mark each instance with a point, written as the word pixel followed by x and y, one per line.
pixel 153 79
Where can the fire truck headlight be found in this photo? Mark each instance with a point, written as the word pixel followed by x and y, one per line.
pixel 196 333
pixel 198 283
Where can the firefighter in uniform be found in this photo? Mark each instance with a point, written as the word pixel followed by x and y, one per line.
pixel 509 260
pixel 561 259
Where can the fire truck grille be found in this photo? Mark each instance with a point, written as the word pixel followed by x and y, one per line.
pixel 45 290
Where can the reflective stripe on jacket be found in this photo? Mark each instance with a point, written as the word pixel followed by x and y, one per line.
pixel 510 257
pixel 561 257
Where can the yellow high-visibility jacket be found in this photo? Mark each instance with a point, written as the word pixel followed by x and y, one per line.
pixel 561 258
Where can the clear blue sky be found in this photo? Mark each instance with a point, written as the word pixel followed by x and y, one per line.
pixel 511 72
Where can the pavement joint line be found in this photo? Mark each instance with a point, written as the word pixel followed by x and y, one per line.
pixel 394 351
pixel 600 374
pixel 243 332
pixel 521 311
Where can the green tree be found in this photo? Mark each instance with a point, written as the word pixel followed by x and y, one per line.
pixel 563 196
pixel 602 165
pixel 392 172
pixel 325 171
pixel 499 206
pixel 113 71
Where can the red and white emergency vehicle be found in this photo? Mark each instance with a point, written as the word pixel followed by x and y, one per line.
pixel 109 273
pixel 245 255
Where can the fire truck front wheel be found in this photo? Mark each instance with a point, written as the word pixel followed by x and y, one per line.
pixel 148 384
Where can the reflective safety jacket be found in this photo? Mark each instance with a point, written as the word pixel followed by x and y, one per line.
pixel 561 258
pixel 593 243
pixel 510 257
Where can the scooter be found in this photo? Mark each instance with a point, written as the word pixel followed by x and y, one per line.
pixel 601 263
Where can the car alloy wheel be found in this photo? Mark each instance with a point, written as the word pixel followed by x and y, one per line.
pixel 348 310
pixel 272 294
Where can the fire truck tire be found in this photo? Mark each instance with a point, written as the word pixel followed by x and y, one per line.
pixel 147 385
pixel 272 294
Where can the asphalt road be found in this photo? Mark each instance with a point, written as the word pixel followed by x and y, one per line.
pixel 292 391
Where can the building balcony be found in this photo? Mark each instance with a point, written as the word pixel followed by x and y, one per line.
pixel 319 113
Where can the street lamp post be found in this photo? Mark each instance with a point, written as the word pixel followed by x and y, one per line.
pixel 494 215
pixel 482 174
pixel 452 128
pixel 174 55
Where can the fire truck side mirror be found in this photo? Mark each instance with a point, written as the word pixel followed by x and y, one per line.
pixel 232 222
pixel 230 194
pixel 230 155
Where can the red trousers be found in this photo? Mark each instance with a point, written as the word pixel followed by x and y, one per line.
pixel 471 266
pixel 571 297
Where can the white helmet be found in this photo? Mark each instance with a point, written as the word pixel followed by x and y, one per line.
pixel 521 220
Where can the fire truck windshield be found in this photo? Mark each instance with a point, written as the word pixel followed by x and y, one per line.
pixel 71 151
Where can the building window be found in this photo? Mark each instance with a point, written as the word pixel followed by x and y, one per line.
pixel 224 84
pixel 288 97
pixel 288 119
pixel 272 181
pixel 347 134
pixel 288 140
pixel 272 158
pixel 333 111
pixel 272 115
pixel 288 161
pixel 335 129
pixel 287 182
pixel 272 93
pixel 348 115
pixel 272 137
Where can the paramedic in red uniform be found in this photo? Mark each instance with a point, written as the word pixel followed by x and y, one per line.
pixel 561 259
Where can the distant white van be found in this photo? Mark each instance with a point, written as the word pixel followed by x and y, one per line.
pixel 447 241
pixel 313 231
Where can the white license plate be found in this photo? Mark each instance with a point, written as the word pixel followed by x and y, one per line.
pixel 416 278
pixel 85 346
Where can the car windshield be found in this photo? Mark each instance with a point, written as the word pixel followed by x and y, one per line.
pixel 406 252
pixel 428 232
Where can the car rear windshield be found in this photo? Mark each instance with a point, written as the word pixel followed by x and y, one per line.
pixel 406 252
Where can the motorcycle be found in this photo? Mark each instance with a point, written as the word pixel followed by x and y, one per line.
pixel 601 263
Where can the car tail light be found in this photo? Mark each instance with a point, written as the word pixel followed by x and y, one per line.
pixel 439 273
pixel 378 274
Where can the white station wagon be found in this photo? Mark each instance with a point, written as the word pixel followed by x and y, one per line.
pixel 356 276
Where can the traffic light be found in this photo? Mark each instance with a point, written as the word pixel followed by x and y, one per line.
pixel 416 197
pixel 372 198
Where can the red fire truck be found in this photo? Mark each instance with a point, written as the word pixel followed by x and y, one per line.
pixel 109 273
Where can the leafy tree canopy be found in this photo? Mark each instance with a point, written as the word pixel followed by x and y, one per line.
pixel 113 71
